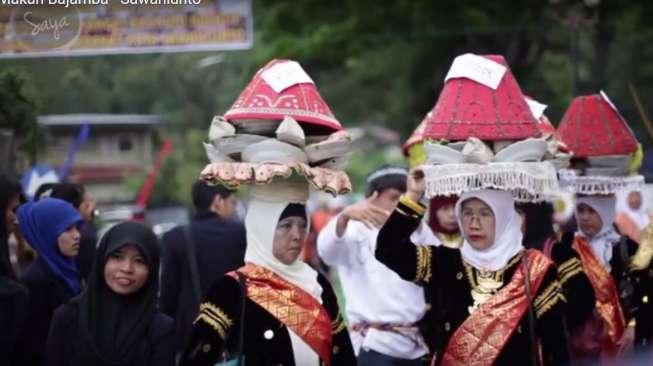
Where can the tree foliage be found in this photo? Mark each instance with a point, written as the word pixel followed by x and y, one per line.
pixel 375 62
pixel 18 111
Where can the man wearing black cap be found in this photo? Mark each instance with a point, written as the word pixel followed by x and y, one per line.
pixel 197 255
pixel 382 308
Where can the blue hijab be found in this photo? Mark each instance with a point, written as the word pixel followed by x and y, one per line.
pixel 41 223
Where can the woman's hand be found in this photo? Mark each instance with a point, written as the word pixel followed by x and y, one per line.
pixel 415 184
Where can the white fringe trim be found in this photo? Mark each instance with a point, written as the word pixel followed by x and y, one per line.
pixel 594 184
pixel 528 181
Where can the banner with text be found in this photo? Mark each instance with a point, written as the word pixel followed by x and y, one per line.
pixel 45 28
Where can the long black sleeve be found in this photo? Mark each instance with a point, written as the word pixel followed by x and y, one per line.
pixel 60 336
pixel 342 351
pixel 395 249
pixel 218 312
pixel 576 287
pixel 550 312
pixel 162 341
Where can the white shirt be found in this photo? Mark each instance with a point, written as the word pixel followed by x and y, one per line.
pixel 373 292
pixel 424 235
pixel 302 352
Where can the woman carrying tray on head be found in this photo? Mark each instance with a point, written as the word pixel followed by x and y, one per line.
pixel 275 310
pixel 538 229
pixel 606 158
pixel 499 303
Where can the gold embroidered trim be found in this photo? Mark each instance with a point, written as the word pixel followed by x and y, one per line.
pixel 215 317
pixel 569 274
pixel 496 275
pixel 571 268
pixel 548 298
pixel 469 272
pixel 423 271
pixel 214 324
pixel 428 274
pixel 415 206
pixel 568 264
pixel 548 292
pixel 406 214
pixel 338 325
pixel 543 308
pixel 216 312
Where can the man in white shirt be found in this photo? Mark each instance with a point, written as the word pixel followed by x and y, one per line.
pixel 382 308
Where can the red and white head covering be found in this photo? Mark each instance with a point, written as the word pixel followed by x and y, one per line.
pixel 604 147
pixel 481 134
pixel 283 89
pixel 281 100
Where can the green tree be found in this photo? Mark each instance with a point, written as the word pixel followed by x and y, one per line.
pixel 18 110
pixel 374 62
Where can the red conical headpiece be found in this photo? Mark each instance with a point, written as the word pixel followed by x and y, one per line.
pixel 281 88
pixel 592 126
pixel 469 108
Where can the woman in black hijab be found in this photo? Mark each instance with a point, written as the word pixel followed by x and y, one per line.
pixel 13 295
pixel 115 321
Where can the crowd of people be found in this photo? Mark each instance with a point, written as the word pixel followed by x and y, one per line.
pixel 428 269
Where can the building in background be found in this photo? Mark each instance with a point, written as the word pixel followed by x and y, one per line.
pixel 118 146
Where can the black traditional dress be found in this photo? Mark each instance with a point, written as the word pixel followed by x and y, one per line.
pixel 456 288
pixel 266 338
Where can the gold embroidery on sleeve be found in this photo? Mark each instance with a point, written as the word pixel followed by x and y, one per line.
pixel 215 317
pixel 569 269
pixel 551 295
pixel 423 272
pixel 415 206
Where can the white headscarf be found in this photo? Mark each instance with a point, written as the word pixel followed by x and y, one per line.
pixel 507 231
pixel 639 216
pixel 602 242
pixel 263 213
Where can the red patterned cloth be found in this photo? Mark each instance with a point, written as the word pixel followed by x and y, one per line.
pixel 301 101
pixel 607 297
pixel 592 127
pixel 292 306
pixel 467 108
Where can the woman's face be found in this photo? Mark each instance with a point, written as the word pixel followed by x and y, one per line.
pixel 589 221
pixel 68 242
pixel 126 270
pixel 10 213
pixel 478 223
pixel 86 208
pixel 446 216
pixel 289 239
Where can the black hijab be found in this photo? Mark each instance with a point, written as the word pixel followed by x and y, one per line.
pixel 112 328
pixel 9 188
